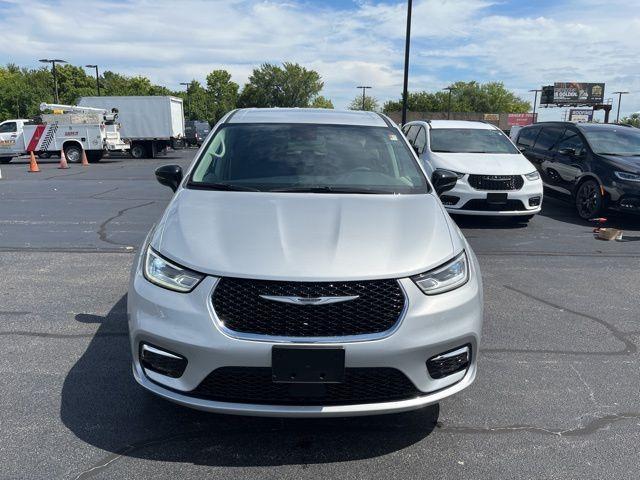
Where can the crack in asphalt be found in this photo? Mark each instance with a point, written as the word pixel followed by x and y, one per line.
pixel 596 424
pixel 65 175
pixel 122 249
pixel 95 195
pixel 102 231
pixel 629 346
pixel 26 333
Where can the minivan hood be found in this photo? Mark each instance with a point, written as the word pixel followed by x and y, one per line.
pixel 304 236
pixel 625 163
pixel 483 163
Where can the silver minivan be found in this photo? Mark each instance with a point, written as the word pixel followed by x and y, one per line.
pixel 305 267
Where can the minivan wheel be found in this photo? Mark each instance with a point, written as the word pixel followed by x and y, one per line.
pixel 589 201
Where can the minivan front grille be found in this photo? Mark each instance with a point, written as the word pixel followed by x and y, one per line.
pixel 496 182
pixel 255 385
pixel 367 307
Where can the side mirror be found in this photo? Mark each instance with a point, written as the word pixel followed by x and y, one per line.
pixel 169 175
pixel 443 181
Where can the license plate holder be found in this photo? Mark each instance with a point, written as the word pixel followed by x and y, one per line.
pixel 307 364
pixel 497 198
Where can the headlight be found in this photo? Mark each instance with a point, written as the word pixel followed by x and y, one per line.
pixel 532 176
pixel 449 276
pixel 169 275
pixel 631 177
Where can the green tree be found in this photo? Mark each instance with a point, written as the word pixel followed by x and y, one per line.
pixel 490 97
pixel 322 102
pixel 371 104
pixel 288 86
pixel 633 119
pixel 196 102
pixel 222 95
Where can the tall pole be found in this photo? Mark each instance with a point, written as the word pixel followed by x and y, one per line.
pixel 619 101
pixel 535 103
pixel 364 89
pixel 186 84
pixel 55 76
pixel 450 88
pixel 97 76
pixel 406 63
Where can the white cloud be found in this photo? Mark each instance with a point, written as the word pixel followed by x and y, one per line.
pixel 355 43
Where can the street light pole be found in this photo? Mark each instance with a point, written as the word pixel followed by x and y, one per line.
pixel 363 94
pixel 186 84
pixel 97 76
pixel 407 43
pixel 535 102
pixel 55 77
pixel 449 107
pixel 619 100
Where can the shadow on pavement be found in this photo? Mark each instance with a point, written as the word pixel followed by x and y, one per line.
pixel 559 207
pixel 104 406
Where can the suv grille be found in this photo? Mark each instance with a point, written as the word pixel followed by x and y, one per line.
pixel 240 308
pixel 254 385
pixel 496 182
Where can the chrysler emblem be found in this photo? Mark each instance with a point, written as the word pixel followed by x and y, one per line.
pixel 309 300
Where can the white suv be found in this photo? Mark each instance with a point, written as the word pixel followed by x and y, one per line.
pixel 494 178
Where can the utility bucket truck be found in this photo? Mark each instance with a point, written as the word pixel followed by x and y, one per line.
pixel 70 128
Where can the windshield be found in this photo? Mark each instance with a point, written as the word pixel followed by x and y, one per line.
pixel 308 157
pixel 624 141
pixel 470 140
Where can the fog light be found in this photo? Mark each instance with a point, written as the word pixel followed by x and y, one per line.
pixel 449 199
pixel 534 201
pixel 161 361
pixel 630 203
pixel 449 362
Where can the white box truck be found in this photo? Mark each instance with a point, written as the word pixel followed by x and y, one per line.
pixel 149 123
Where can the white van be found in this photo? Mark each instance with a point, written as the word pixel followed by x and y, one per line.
pixel 494 178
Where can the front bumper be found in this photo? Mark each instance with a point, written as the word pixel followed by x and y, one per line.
pixel 186 324
pixel 468 196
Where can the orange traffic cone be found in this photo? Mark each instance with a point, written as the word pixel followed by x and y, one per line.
pixel 63 160
pixel 33 165
pixel 85 162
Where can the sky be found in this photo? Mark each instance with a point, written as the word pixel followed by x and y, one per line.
pixel 522 43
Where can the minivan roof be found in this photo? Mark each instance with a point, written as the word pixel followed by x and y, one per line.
pixel 460 124
pixel 307 115
pixel 580 125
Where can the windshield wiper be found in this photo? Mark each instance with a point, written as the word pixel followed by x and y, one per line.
pixel 328 189
pixel 224 187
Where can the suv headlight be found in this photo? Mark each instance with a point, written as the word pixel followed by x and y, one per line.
pixel 449 276
pixel 169 275
pixel 630 177
pixel 532 176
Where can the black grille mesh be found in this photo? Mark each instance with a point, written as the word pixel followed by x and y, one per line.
pixel 481 204
pixel 496 182
pixel 254 385
pixel 240 308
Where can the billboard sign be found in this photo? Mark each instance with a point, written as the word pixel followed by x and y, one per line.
pixel 580 115
pixel 574 93
pixel 492 117
pixel 520 119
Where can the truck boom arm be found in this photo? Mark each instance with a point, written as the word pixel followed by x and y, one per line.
pixel 71 108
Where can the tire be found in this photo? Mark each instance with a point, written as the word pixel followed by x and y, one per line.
pixel 94 156
pixel 138 151
pixel 588 199
pixel 5 159
pixel 73 152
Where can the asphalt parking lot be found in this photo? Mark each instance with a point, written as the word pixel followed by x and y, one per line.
pixel 557 394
